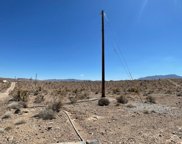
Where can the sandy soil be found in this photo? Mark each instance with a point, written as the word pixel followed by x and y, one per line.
pixel 133 123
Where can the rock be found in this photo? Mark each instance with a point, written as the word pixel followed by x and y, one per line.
pixel 180 129
pixel 92 142
pixel 8 128
pixel 102 132
pixel 20 121
pixel 174 139
pixel 49 128
pixel 10 139
pixel 14 105
pixel 7 115
pixel 1 130
pixel 17 111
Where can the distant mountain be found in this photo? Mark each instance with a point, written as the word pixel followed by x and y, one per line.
pixel 170 76
pixel 66 80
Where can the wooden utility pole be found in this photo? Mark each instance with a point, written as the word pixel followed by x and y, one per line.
pixel 103 56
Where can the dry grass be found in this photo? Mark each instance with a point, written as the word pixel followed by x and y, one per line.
pixel 4 86
pixel 21 95
pixel 55 105
pixel 150 99
pixel 46 114
pixel 122 100
pixel 39 99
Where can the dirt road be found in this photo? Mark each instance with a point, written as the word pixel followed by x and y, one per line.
pixel 6 93
pixel 174 83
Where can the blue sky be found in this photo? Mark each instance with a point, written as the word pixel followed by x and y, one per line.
pixel 62 38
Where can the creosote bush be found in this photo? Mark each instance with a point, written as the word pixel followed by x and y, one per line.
pixel 122 99
pixel 150 99
pixel 73 100
pixel 116 91
pixel 21 95
pixel 39 99
pixel 55 106
pixel 82 95
pixel 134 90
pixel 130 106
pixel 46 114
pixel 103 102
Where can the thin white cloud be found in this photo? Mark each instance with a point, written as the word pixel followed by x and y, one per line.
pixel 144 4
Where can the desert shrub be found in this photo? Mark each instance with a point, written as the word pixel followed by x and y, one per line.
pixel 21 95
pixel 179 94
pixel 59 92
pixel 83 95
pixel 103 102
pixel 116 91
pixel 134 90
pixel 150 92
pixel 46 114
pixel 55 106
pixel 150 99
pixel 168 92
pixel 122 99
pixel 8 128
pixel 75 91
pixel 72 99
pixel 39 99
pixel 4 85
pixel 39 88
pixel 36 92
pixel 131 106
pixel 145 94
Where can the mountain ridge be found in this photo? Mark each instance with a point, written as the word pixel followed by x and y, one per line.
pixel 155 77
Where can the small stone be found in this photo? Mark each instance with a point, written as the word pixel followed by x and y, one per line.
pixel 49 128
pixel 1 130
pixel 10 138
pixel 133 115
pixel 92 142
pixel 17 111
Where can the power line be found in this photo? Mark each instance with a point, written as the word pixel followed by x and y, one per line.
pixel 122 60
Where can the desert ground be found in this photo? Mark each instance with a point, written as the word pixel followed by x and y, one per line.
pixel 42 112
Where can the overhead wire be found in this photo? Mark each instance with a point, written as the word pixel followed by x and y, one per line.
pixel 121 56
pixel 123 60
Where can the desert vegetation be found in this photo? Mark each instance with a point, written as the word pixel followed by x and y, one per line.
pixel 4 85
pixel 138 111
